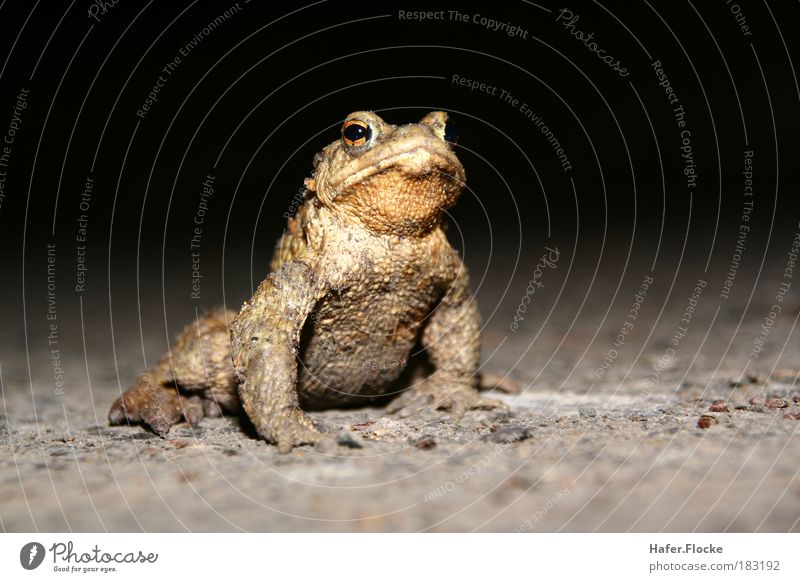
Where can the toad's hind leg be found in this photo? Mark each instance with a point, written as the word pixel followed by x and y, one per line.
pixel 193 380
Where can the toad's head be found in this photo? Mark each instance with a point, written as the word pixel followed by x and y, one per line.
pixel 393 179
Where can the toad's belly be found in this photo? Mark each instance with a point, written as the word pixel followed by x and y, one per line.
pixel 353 352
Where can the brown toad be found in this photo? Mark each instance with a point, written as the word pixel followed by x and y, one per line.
pixel 362 280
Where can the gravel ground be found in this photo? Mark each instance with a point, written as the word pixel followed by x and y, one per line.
pixel 702 438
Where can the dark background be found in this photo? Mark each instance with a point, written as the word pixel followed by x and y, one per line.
pixel 269 87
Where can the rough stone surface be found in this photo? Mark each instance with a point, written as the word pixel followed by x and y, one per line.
pixel 576 452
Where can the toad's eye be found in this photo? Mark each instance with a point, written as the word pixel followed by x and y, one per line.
pixel 450 133
pixel 356 133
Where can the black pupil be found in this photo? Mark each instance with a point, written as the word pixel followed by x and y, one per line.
pixel 356 131
pixel 450 132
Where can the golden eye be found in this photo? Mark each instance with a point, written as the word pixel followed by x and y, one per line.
pixel 355 133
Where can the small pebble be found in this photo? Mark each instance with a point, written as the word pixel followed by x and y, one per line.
pixel 775 403
pixel 507 435
pixel 587 412
pixel 345 439
pixel 719 406
pixel 423 442
pixel 181 443
pixel 707 421
pixel 503 416
pixel 363 425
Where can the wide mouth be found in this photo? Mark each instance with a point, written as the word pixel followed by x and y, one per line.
pixel 408 153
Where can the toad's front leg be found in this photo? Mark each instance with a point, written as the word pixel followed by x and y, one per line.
pixel 452 341
pixel 265 338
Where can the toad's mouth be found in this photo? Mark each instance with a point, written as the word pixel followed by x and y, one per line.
pixel 417 156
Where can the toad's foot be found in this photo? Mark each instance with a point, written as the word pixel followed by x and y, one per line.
pixel 159 406
pixel 287 428
pixel 499 382
pixel 439 393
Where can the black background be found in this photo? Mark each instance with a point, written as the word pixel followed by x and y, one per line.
pixel 269 87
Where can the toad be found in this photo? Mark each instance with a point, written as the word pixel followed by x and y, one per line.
pixel 366 301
